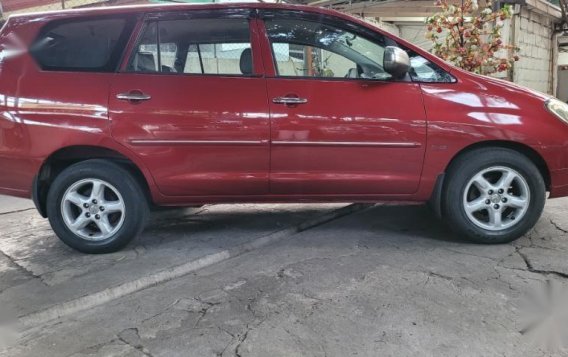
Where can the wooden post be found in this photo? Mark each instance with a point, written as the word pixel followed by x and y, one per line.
pixel 309 61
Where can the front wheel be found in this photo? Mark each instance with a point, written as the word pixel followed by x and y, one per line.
pixel 493 195
pixel 96 206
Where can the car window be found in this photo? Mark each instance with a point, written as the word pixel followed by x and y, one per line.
pixel 423 70
pixel 216 58
pixel 89 44
pixel 313 49
pixel 195 46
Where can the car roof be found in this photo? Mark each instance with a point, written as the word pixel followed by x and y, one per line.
pixel 43 17
pixel 153 8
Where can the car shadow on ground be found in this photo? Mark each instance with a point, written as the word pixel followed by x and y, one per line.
pixel 194 223
pixel 178 236
pixel 416 220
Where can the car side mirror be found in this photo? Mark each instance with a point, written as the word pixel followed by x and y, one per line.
pixel 396 62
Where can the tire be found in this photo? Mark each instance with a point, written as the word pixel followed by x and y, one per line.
pixel 474 205
pixel 105 225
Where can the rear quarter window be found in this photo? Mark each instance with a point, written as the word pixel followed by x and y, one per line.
pixel 94 44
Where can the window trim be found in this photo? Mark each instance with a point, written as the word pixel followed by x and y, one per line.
pixel 115 60
pixel 248 14
pixel 237 13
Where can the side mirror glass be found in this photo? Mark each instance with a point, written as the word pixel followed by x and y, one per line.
pixel 396 62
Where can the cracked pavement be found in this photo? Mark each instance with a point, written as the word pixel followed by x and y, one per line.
pixel 380 280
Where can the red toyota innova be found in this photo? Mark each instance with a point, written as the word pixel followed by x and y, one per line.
pixel 105 112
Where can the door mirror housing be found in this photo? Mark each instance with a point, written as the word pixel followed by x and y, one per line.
pixel 396 62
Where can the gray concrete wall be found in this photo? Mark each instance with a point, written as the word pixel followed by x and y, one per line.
pixel 533 35
pixel 562 92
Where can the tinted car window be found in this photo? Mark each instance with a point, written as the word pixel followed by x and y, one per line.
pixel 89 45
pixel 195 46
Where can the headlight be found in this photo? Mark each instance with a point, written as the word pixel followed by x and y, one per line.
pixel 558 108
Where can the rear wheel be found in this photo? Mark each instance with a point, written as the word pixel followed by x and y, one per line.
pixel 493 195
pixel 96 206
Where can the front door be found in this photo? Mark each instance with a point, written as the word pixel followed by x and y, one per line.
pixel 192 104
pixel 340 124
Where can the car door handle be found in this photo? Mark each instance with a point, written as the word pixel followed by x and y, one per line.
pixel 134 96
pixel 289 100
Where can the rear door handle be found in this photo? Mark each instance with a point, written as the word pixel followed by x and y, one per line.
pixel 289 100
pixel 134 96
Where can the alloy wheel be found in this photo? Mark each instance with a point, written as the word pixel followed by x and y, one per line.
pixel 93 209
pixel 496 198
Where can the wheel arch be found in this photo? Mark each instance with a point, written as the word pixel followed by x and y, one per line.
pixel 64 157
pixel 436 199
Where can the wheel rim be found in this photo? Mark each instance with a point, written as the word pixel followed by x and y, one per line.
pixel 93 209
pixel 496 198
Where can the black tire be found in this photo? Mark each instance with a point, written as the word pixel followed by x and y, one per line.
pixel 135 203
pixel 465 168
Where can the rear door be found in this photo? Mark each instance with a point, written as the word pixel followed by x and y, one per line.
pixel 192 103
pixel 340 125
pixel 54 81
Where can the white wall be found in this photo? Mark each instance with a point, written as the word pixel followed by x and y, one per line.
pixel 386 26
pixel 415 33
pixel 563 58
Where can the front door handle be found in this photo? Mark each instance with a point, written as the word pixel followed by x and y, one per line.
pixel 289 100
pixel 133 96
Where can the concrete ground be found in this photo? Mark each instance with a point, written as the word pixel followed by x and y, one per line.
pixel 286 280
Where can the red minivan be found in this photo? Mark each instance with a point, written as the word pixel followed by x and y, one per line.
pixel 106 112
